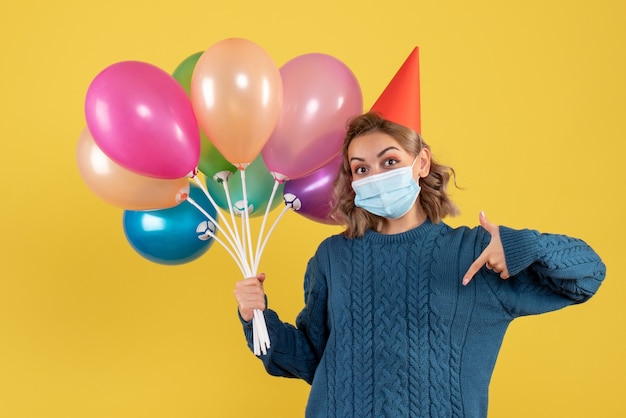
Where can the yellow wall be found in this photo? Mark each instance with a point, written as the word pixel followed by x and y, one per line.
pixel 526 99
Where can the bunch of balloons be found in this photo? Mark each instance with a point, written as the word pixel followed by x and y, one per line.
pixel 252 129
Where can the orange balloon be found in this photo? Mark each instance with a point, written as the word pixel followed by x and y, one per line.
pixel 121 187
pixel 237 93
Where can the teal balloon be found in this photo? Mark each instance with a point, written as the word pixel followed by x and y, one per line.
pixel 211 160
pixel 172 236
pixel 259 185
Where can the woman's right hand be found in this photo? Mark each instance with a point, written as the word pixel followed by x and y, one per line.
pixel 250 296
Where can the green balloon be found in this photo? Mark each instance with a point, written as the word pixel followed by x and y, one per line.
pixel 211 160
pixel 184 71
pixel 259 185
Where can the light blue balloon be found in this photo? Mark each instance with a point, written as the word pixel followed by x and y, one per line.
pixel 172 236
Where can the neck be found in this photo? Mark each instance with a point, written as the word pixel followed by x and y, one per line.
pixel 414 218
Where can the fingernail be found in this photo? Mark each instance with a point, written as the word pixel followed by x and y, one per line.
pixel 465 281
pixel 482 214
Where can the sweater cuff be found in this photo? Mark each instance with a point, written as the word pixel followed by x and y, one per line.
pixel 248 324
pixel 520 248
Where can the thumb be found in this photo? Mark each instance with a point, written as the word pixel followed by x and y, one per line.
pixel 486 224
pixel 261 277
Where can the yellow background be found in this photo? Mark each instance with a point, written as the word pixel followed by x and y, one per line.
pixel 526 99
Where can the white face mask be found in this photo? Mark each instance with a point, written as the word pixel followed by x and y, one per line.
pixel 390 194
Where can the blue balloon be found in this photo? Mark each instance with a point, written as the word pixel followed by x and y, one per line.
pixel 174 235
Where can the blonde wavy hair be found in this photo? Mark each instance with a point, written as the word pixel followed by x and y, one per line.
pixel 433 197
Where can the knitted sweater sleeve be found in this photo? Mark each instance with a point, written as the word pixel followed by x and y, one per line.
pixel 548 272
pixel 295 351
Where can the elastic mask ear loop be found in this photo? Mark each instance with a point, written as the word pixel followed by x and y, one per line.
pixel 421 141
pixel 412 165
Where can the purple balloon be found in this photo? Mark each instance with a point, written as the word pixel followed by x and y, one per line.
pixel 313 192
pixel 141 118
pixel 320 95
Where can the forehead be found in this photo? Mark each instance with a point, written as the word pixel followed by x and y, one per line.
pixel 369 145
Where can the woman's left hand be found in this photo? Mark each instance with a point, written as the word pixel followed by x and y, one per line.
pixel 492 256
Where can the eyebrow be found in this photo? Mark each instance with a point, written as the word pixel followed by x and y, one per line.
pixel 380 154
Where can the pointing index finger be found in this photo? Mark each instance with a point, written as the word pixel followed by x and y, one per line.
pixel 473 269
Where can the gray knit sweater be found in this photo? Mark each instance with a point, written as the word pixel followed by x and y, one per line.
pixel 389 331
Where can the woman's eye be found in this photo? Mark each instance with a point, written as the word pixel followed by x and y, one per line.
pixel 360 170
pixel 391 162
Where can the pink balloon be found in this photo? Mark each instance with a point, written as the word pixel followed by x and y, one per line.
pixel 314 192
pixel 142 119
pixel 320 95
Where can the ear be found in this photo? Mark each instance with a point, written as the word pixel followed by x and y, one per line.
pixel 422 165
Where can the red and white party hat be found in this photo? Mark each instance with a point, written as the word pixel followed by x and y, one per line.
pixel 400 101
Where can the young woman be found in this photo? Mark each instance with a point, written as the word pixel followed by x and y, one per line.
pixel 404 315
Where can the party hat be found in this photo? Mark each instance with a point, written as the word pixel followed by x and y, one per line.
pixel 400 101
